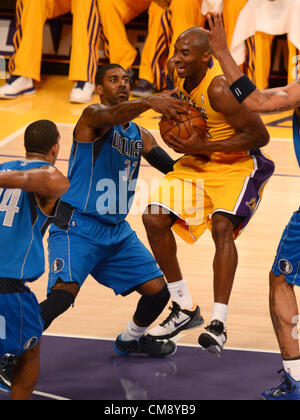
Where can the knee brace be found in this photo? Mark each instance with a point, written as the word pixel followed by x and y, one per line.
pixel 57 302
pixel 151 306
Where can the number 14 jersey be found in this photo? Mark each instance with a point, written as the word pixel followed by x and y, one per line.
pixel 22 225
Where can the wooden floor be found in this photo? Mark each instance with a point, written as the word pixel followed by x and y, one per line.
pixel 98 313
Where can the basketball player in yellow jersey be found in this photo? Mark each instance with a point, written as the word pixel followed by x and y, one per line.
pixel 218 184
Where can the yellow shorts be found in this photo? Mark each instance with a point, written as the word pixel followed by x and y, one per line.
pixel 198 188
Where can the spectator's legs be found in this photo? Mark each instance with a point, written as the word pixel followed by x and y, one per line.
pixel 85 40
pixel 114 15
pixel 28 40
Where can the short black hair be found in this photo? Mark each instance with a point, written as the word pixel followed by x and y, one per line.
pixel 40 137
pixel 103 70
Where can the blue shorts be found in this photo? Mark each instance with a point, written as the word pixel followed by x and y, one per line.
pixel 21 325
pixel 112 254
pixel 287 260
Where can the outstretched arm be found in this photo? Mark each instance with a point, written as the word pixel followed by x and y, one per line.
pixel 100 117
pixel 271 100
pixel 46 181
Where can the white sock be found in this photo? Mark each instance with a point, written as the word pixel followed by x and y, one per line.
pixel 133 332
pixel 181 295
pixel 220 312
pixel 292 367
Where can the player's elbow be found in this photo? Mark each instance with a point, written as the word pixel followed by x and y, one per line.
pixel 263 139
pixel 260 141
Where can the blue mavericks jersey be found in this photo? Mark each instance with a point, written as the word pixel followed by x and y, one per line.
pixel 103 174
pixel 21 225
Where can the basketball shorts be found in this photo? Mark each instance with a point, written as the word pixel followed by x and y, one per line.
pixel 112 254
pixel 287 260
pixel 198 188
pixel 21 325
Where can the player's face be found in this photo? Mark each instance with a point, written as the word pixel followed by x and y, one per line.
pixel 188 58
pixel 115 87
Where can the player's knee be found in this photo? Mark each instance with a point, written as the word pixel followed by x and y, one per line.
pixel 57 302
pixel 276 281
pixel 155 221
pixel 72 288
pixel 151 306
pixel 222 229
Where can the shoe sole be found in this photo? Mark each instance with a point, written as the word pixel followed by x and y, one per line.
pixel 155 356
pixel 17 96
pixel 191 325
pixel 4 384
pixel 208 343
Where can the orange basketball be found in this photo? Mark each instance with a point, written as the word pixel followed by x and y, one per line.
pixel 183 129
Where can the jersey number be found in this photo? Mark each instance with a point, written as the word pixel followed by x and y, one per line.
pixel 9 205
pixel 130 169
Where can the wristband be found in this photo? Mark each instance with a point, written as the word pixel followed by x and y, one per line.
pixel 160 160
pixel 242 88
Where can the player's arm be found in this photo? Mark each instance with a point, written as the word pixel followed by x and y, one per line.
pixel 250 130
pixel 100 117
pixel 46 181
pixel 154 154
pixel 271 100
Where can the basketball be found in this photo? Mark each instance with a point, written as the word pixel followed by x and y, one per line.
pixel 183 129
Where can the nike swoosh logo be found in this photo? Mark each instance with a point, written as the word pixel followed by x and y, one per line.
pixel 180 323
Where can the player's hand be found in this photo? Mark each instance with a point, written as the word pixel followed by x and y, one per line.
pixel 163 3
pixel 195 145
pixel 171 108
pixel 216 33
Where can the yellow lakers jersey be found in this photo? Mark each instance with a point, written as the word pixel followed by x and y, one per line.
pixel 217 126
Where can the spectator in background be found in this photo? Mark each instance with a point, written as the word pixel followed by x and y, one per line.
pixel 114 14
pixel 167 20
pixel 25 64
pixel 259 21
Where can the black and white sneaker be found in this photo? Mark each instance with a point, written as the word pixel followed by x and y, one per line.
pixel 145 345
pixel 178 320
pixel 214 339
pixel 7 367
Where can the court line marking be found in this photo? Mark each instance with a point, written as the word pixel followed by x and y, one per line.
pixel 21 130
pixel 43 394
pixel 13 136
pixel 179 344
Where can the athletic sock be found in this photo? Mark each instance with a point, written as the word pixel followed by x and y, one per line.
pixel 133 332
pixel 181 295
pixel 292 367
pixel 220 312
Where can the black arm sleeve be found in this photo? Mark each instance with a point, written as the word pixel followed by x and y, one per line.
pixel 160 160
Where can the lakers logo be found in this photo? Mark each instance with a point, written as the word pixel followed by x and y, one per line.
pixel 252 204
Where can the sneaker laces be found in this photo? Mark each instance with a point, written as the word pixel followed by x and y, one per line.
pixel 217 329
pixel 175 310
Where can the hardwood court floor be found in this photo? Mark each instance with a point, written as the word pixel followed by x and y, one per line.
pixel 97 312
